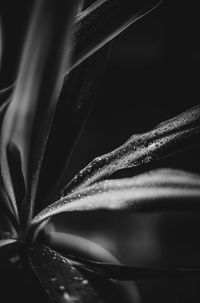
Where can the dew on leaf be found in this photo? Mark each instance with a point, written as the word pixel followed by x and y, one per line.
pixel 14 259
pixel 61 287
pixel 78 278
pixel 66 297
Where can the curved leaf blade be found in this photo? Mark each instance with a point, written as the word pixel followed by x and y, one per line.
pixel 126 273
pixel 103 21
pixel 159 190
pixel 5 242
pixel 76 99
pixel 29 116
pixel 173 135
pixel 72 244
pixel 61 281
pixel 4 96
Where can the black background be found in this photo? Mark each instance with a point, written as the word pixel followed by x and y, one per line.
pixel 152 74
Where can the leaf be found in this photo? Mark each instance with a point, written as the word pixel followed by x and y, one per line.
pixel 125 273
pixel 29 116
pixel 5 242
pixel 159 190
pixel 103 21
pixel 173 135
pixel 72 244
pixel 5 97
pixel 8 224
pixel 5 93
pixel 75 102
pixel 6 206
pixel 61 281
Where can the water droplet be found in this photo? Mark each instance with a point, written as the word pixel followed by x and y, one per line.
pixel 78 278
pixel 85 282
pixel 53 279
pixel 81 173
pixel 14 259
pixel 66 297
pixel 64 261
pixel 61 287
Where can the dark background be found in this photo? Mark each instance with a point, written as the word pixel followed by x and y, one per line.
pixel 152 74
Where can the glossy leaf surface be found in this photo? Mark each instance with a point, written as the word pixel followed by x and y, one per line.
pixel 124 272
pixel 36 92
pixel 61 281
pixel 103 21
pixel 168 137
pixel 159 190
pixel 76 99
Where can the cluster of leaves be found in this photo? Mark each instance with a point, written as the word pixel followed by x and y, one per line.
pixel 62 62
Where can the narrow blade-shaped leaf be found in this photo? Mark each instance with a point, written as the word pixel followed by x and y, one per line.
pixel 6 205
pixel 159 190
pixel 125 272
pixel 75 102
pixel 72 244
pixel 5 242
pixel 5 95
pixel 61 281
pixel 29 116
pixel 104 20
pixel 182 131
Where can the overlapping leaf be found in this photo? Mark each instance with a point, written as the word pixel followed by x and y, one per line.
pixel 4 96
pixel 93 28
pixel 104 20
pixel 22 131
pixel 125 272
pixel 6 242
pixel 159 190
pixel 75 101
pixel 175 134
pixel 61 281
pixel 29 116
pixel 72 244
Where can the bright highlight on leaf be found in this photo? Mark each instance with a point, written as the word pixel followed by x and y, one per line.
pixel 125 272
pixel 60 279
pixel 159 190
pixel 60 69
pixel 168 137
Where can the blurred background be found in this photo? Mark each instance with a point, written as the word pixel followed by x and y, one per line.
pixel 152 74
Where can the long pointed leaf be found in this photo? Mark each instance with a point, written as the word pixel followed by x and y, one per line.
pixel 73 244
pixel 103 21
pixel 159 190
pixel 5 95
pixel 6 242
pixel 124 272
pixel 61 281
pixel 75 101
pixel 180 132
pixel 28 119
pixel 6 206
